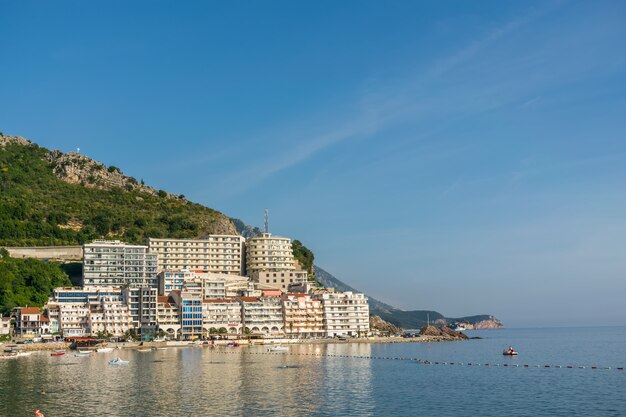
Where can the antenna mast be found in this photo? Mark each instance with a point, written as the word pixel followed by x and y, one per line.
pixel 267 221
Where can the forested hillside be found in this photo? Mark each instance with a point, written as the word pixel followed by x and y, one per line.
pixel 51 198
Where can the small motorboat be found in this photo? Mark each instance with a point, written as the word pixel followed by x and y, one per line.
pixel 8 355
pixel 83 353
pixel 278 348
pixel 58 353
pixel 232 344
pixel 144 350
pixel 104 350
pixel 118 361
pixel 509 352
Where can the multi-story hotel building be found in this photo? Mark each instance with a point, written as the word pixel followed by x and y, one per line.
pixel 216 253
pixel 211 285
pixel 303 316
pixel 168 316
pixel 109 316
pixel 345 313
pixel 114 263
pixel 221 316
pixel 262 315
pixel 190 311
pixel 142 302
pixel 269 253
pixel 89 310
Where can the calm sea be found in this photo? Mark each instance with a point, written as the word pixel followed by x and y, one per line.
pixel 248 381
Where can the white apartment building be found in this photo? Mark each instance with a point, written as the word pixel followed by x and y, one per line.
pixel 141 302
pixel 114 263
pixel 87 311
pixel 269 253
pixel 221 316
pixel 279 279
pixel 216 253
pixel 345 313
pixel 168 316
pixel 108 315
pixel 5 325
pixel 262 315
pixel 303 316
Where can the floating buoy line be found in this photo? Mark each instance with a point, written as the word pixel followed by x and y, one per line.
pixel 426 362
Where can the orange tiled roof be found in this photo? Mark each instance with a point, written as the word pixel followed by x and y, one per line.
pixel 249 299
pixel 30 310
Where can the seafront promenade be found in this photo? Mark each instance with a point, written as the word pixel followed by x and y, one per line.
pixel 55 346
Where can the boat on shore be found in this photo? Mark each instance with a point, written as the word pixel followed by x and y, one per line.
pixel 104 350
pixel 118 361
pixel 8 355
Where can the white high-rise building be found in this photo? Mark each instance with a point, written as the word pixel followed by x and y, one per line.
pixel 216 253
pixel 115 263
pixel 345 313
pixel 269 253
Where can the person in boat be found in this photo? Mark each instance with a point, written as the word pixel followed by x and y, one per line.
pixel 511 350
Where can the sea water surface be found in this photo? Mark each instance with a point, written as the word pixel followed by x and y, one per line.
pixel 195 381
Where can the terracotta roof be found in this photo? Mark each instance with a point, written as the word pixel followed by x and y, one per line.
pixel 162 299
pixel 44 318
pixel 249 299
pixel 30 310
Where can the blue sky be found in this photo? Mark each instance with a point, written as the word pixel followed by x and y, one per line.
pixel 468 157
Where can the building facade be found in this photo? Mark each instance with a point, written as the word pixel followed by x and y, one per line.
pixel 262 315
pixel 216 253
pixel 279 279
pixel 221 316
pixel 5 325
pixel 114 263
pixel 269 253
pixel 168 316
pixel 303 316
pixel 30 322
pixel 190 311
pixel 344 313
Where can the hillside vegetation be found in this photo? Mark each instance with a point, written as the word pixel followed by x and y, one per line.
pixel 27 282
pixel 52 198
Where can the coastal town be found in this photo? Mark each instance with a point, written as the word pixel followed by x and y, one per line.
pixel 218 287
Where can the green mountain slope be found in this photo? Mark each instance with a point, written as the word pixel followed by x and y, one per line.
pixel 52 198
pixel 27 282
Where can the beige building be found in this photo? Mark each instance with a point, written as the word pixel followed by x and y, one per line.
pixel 217 253
pixel 108 315
pixel 303 316
pixel 269 253
pixel 262 315
pixel 345 313
pixel 168 317
pixel 221 316
pixel 279 279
